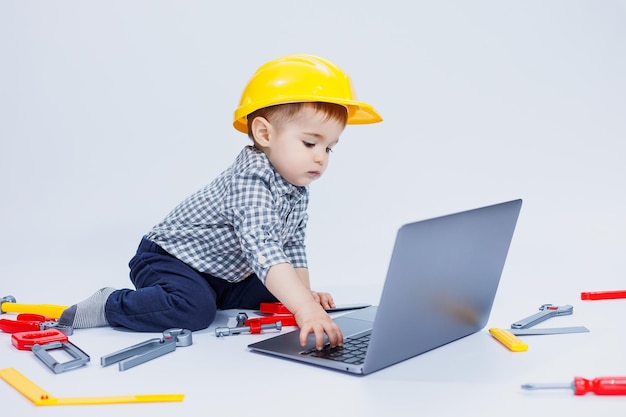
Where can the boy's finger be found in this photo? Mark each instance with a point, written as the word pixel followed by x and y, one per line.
pixel 335 337
pixel 304 335
pixel 319 337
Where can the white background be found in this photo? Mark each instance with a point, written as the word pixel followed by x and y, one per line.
pixel 111 112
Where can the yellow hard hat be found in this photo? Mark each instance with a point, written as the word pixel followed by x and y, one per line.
pixel 301 78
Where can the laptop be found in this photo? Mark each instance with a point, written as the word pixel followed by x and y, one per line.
pixel 440 287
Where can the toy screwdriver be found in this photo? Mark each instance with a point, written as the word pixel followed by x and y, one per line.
pixel 602 295
pixel 605 385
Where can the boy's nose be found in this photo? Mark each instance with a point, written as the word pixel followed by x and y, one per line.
pixel 320 157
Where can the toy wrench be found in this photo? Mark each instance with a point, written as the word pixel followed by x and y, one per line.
pixel 545 312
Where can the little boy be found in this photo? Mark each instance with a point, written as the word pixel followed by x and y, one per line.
pixel 239 241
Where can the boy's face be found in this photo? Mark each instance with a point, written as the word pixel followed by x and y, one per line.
pixel 299 150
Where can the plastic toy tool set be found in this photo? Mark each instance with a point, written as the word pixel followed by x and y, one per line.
pixel 34 328
pixel 604 385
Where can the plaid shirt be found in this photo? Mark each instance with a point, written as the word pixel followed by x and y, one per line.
pixel 245 221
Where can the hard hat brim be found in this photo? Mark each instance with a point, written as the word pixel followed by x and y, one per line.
pixel 359 113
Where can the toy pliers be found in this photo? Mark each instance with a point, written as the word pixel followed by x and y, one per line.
pixel 30 322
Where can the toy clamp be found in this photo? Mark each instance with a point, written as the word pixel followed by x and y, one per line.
pixel 278 316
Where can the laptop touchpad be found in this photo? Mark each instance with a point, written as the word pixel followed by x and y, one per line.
pixel 356 321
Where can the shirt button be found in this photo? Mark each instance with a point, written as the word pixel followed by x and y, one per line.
pixel 261 259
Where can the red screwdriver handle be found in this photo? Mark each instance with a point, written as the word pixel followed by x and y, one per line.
pixel 605 385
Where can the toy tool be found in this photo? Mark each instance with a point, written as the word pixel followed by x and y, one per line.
pixel 41 342
pixel 28 322
pixel 605 385
pixel 277 317
pixel 8 305
pixel 79 358
pixel 545 312
pixel 602 295
pixel 274 308
pixel 39 396
pixel 150 349
pixel 508 339
pixel 227 331
pixel 26 340
pixel 553 330
pixel 256 325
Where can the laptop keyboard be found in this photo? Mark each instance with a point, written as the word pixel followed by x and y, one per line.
pixel 352 351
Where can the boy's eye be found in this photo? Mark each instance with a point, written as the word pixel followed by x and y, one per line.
pixel 312 145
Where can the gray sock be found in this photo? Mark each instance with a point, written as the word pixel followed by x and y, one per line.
pixel 89 312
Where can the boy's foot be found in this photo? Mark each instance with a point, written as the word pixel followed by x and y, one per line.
pixel 87 313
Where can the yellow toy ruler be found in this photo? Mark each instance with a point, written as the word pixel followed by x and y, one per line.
pixel 39 396
pixel 508 339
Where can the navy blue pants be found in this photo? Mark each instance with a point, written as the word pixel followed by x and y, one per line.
pixel 169 294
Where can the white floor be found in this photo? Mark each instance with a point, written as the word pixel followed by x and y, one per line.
pixel 475 376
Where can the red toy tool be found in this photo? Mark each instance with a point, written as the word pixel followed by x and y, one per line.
pixel 277 317
pixel 26 340
pixel 256 322
pixel 29 322
pixel 227 331
pixel 602 295
pixel 605 385
pixel 41 334
pixel 279 313
pixel 274 308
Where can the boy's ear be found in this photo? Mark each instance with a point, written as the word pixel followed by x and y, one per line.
pixel 261 129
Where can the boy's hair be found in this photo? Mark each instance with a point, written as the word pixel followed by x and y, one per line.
pixel 283 113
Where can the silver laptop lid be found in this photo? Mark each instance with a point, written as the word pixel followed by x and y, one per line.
pixel 441 282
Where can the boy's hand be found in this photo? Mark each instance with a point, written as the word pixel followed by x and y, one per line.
pixel 292 289
pixel 324 298
pixel 312 318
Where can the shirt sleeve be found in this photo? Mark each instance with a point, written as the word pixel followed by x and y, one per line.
pixel 249 207
pixel 295 248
